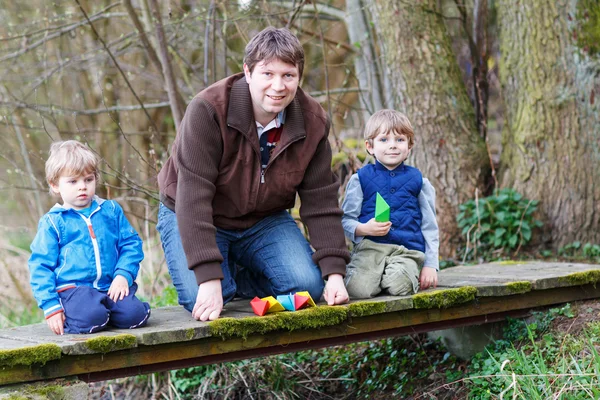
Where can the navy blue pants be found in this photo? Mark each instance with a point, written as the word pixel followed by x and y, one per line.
pixel 88 310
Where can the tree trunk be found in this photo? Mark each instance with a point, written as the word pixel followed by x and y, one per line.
pixel 429 89
pixel 551 151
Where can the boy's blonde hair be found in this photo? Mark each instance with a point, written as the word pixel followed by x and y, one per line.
pixel 70 157
pixel 274 44
pixel 389 121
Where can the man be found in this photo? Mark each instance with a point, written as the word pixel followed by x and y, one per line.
pixel 247 144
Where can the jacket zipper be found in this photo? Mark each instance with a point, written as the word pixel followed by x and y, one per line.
pixel 88 222
pixel 263 171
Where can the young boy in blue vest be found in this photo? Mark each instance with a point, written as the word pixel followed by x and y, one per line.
pixel 85 256
pixel 398 256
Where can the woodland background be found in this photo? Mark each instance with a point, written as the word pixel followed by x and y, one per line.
pixel 501 94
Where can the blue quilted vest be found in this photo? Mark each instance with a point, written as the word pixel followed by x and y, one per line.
pixel 400 188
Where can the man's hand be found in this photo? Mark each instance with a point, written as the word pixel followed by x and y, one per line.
pixel 428 278
pixel 119 288
pixel 209 302
pixel 57 323
pixel 373 228
pixel 335 290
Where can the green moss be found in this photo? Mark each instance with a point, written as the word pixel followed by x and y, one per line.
pixel 519 287
pixel 189 333
pixel 444 298
pixel 106 344
pixel 588 26
pixel 40 390
pixel 45 391
pixel 310 318
pixel 30 355
pixel 364 308
pixel 510 262
pixel 581 278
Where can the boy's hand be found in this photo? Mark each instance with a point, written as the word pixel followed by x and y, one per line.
pixel 57 323
pixel 209 301
pixel 428 278
pixel 335 291
pixel 119 288
pixel 373 228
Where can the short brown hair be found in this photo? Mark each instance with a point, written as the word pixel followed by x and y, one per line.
pixel 389 121
pixel 274 44
pixel 70 157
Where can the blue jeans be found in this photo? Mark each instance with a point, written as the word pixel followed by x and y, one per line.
pixel 268 259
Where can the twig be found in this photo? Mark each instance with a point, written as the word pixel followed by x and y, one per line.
pixel 167 71
pixel 123 75
pixel 211 10
pixel 102 97
pixel 60 33
pixel 63 110
pixel 520 225
pixel 143 37
pixel 338 142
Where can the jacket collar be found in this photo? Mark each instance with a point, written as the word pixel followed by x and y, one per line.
pixel 240 115
pixel 380 167
pixel 57 208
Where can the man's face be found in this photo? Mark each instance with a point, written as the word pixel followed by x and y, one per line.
pixel 272 87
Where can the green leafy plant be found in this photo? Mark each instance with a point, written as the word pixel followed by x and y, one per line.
pixel 499 223
pixel 576 250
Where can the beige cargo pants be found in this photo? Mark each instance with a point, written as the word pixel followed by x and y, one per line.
pixel 375 268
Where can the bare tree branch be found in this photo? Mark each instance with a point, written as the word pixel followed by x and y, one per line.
pixel 152 123
pixel 338 142
pixel 95 17
pixel 142 32
pixel 166 65
pixel 211 11
pixel 50 109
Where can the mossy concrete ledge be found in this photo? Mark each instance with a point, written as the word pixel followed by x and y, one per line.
pixel 444 298
pixel 59 389
pixel 519 287
pixel 29 355
pixel 107 344
pixel 310 318
pixel 581 278
pixel 365 308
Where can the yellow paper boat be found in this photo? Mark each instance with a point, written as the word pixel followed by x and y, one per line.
pixel 274 305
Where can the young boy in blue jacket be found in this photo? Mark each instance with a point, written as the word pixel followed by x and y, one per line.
pixel 401 255
pixel 85 256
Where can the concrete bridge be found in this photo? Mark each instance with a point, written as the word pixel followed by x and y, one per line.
pixel 467 295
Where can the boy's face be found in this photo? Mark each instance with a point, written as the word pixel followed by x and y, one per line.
pixel 272 87
pixel 76 191
pixel 389 148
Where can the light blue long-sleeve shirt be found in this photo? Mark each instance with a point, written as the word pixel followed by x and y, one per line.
pixel 352 206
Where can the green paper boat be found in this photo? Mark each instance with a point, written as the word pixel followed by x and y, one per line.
pixel 382 209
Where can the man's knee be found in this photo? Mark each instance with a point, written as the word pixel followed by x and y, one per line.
pixel 299 280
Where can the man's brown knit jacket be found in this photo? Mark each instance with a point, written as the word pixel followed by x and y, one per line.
pixel 213 177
